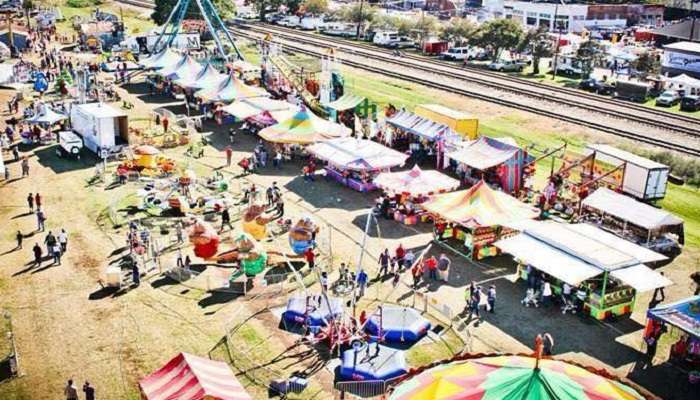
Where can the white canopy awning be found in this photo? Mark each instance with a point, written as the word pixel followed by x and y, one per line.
pixel 628 209
pixel 685 80
pixel 641 278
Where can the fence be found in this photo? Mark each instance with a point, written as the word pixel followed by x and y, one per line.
pixel 363 389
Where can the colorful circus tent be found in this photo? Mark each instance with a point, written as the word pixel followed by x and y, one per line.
pixel 230 90
pixel 208 78
pixel 252 108
pixel 511 377
pixel 415 182
pixel 188 377
pixel 187 68
pixel 303 128
pixel 486 153
pixel 479 206
pixel 163 59
pixel 349 153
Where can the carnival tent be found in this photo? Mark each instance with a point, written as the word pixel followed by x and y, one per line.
pixel 357 154
pixel 231 89
pixel 684 80
pixel 279 109
pixel 630 210
pixel 303 128
pixel 46 116
pixel 485 153
pixel 423 127
pixel 416 182
pixel 163 59
pixel 187 68
pixel 479 206
pixel 574 253
pixel 512 377
pixel 208 78
pixel 346 102
pixel 684 315
pixel 188 377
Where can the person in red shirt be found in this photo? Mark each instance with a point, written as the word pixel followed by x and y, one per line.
pixel 310 257
pixel 37 201
pixel 400 254
pixel 229 154
pixel 431 265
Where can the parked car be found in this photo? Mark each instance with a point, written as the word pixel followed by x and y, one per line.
pixel 632 91
pixel 690 103
pixel 455 54
pixel 69 144
pixel 507 66
pixel 273 18
pixel 668 98
pixel 596 86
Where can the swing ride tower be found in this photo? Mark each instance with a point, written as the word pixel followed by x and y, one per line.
pixel 212 19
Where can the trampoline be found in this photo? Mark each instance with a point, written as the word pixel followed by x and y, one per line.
pixel 318 312
pixel 397 324
pixel 372 362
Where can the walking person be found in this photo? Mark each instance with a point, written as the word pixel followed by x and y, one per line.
pixel 491 299
pixel 229 154
pixel 49 241
pixel 658 297
pixel 63 240
pixel 225 219
pixel 270 195
pixel 89 391
pixel 362 279
pixel 474 301
pixel 25 166
pixel 56 253
pixel 136 274
pixel 310 257
pixel 279 207
pixel 178 232
pixel 70 391
pixel 416 273
pixel 277 160
pixel 547 344
pixel 400 253
pixel 443 267
pixel 324 281
pixel 30 202
pixel 431 265
pixel 408 260
pixel 546 293
pixel 19 238
pixel 36 250
pixel 37 201
pixel 384 260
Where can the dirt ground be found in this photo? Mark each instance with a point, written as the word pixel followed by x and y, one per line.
pixel 68 327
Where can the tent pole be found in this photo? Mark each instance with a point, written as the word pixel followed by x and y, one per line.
pixel 605 286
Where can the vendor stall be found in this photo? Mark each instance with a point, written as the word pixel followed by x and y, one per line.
pixel 610 269
pixel 476 218
pixel 187 68
pixel 250 109
pixel 303 128
pixel 460 122
pixel 208 77
pixel 681 320
pixel 354 162
pixel 649 226
pixel 47 118
pixel 410 188
pixel 495 160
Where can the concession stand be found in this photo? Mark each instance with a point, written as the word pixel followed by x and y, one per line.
pixel 476 218
pixel 421 136
pixel 355 162
pixel 610 269
pixel 412 187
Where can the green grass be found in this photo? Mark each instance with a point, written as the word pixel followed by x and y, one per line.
pixel 684 201
pixel 132 21
pixel 651 103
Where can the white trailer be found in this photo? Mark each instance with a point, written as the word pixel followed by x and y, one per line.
pixel 386 38
pixel 644 179
pixel 344 29
pixel 99 125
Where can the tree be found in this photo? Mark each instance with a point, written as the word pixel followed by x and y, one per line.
pixel 458 31
pixel 425 27
pixel 647 63
pixel 27 6
pixel 498 35
pixel 315 7
pixel 225 8
pixel 537 42
pixel 588 55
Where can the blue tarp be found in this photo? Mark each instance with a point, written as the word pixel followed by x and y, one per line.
pixel 685 315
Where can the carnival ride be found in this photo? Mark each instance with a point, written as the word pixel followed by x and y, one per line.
pixel 394 324
pixel 372 362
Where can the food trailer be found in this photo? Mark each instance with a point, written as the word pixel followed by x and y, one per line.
pixel 100 125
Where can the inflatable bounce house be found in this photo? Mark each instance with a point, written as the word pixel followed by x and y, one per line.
pixel 394 324
pixel 313 311
pixel 372 362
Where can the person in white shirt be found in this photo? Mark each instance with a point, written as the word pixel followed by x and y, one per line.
pixel 546 293
pixel 63 240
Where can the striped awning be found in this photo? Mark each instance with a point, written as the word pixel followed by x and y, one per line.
pixel 346 102
pixel 188 377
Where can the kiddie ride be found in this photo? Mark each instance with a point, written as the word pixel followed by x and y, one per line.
pixel 146 161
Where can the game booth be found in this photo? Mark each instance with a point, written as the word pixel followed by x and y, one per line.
pixel 189 377
pixel 680 320
pixel 610 269
pixel 497 161
pixel 355 162
pixel 470 221
pixel 303 128
pixel 639 222
pixel 421 136
pixel 406 190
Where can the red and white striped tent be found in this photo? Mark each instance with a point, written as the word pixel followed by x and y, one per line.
pixel 188 377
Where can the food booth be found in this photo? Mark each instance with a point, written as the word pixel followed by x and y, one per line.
pixel 682 321
pixel 498 161
pixel 474 219
pixel 355 162
pixel 610 269
pixel 412 187
pixel 421 136
pixel 639 222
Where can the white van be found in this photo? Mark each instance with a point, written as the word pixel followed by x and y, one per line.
pixel 291 21
pixel 343 29
pixel 247 13
pixel 310 23
pixel 386 38
pixel 455 54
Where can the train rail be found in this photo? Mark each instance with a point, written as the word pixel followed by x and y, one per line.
pixel 297 46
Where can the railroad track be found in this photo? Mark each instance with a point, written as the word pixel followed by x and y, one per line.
pixel 297 47
pixel 570 97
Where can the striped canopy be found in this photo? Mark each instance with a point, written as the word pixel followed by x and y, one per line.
pixel 231 89
pixel 511 378
pixel 479 206
pixel 208 78
pixel 415 182
pixel 187 68
pixel 357 154
pixel 303 128
pixel 188 377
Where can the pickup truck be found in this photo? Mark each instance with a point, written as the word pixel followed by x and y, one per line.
pixel 507 66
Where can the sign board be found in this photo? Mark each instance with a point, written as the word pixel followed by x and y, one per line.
pixel 183 41
pixel 681 61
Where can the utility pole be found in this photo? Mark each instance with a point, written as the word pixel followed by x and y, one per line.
pixel 359 20
pixel 556 50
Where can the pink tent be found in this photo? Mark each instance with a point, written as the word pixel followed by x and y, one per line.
pixel 188 377
pixel 416 182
